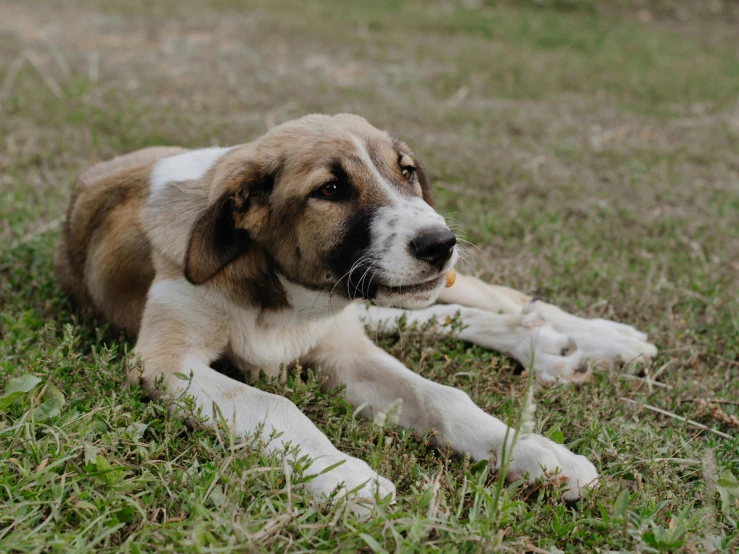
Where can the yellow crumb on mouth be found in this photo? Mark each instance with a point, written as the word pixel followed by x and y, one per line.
pixel 450 276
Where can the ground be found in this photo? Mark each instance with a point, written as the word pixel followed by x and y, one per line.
pixel 590 151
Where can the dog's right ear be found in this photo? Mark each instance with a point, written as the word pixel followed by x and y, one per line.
pixel 217 238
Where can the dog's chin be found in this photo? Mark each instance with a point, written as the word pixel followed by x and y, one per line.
pixel 409 297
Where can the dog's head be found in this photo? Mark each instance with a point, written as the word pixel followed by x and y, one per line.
pixel 334 205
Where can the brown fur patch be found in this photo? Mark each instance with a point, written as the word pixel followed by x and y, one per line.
pixel 103 258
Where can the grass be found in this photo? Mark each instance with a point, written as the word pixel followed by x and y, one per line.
pixel 594 160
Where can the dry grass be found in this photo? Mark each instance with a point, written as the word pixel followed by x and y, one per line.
pixel 592 154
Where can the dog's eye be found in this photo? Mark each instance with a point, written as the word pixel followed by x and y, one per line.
pixel 408 171
pixel 331 190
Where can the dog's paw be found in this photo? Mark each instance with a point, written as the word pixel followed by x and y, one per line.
pixel 529 339
pixel 606 343
pixel 555 356
pixel 537 457
pixel 353 480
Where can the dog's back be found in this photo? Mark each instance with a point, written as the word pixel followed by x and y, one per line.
pixel 103 258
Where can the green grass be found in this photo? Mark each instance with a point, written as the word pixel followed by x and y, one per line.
pixel 591 157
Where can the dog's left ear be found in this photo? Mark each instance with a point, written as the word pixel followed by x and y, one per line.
pixel 423 180
pixel 215 242
pixel 218 236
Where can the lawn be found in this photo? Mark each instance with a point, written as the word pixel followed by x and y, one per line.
pixel 590 150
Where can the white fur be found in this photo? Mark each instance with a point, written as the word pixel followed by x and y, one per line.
pixel 311 304
pixel 188 166
pixel 602 342
pixel 281 425
pixel 411 216
pixel 524 336
pixel 261 340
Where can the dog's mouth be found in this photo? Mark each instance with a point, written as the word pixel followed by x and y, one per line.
pixel 415 288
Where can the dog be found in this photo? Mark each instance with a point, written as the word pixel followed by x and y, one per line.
pixel 268 252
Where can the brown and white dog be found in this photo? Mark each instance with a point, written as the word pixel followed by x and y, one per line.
pixel 265 253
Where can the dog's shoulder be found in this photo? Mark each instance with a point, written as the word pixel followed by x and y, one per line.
pixel 188 166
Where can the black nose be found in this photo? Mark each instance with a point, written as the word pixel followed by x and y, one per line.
pixel 434 246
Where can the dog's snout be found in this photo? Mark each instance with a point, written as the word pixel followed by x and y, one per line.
pixel 434 246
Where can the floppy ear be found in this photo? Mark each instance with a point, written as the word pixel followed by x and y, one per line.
pixel 215 241
pixel 423 180
pixel 218 236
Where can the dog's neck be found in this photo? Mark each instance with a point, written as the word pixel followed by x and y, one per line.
pixel 308 303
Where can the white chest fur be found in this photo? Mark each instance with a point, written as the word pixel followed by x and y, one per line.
pixel 256 339
pixel 266 343
pixel 267 340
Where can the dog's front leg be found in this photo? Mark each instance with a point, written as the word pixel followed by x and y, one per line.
pixel 375 380
pixel 600 340
pixel 181 334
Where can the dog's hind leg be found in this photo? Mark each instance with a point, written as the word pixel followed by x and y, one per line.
pixel 524 336
pixel 602 341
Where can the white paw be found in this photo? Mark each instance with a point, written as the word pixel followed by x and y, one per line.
pixel 527 337
pixel 538 457
pixel 354 480
pixel 601 341
pixel 610 343
pixel 555 355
